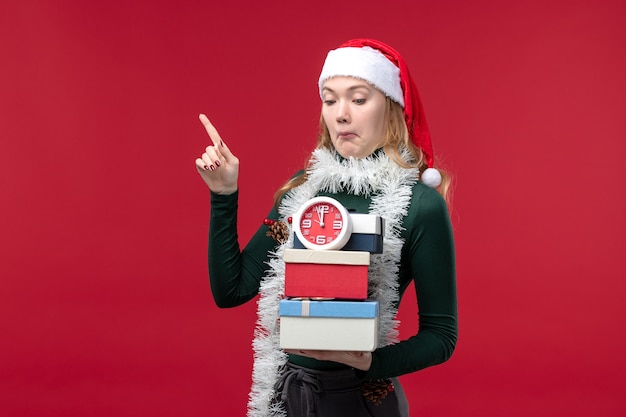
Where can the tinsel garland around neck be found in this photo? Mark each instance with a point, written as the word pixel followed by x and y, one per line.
pixel 389 187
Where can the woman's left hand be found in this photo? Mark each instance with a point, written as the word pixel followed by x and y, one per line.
pixel 357 360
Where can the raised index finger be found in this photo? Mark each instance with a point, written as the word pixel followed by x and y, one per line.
pixel 210 129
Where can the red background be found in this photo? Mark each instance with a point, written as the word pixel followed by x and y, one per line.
pixel 105 307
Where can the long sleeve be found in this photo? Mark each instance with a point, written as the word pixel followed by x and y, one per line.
pixel 234 274
pixel 428 258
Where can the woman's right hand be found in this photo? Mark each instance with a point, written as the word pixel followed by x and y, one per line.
pixel 217 166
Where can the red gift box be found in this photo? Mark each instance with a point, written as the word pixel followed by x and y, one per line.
pixel 326 274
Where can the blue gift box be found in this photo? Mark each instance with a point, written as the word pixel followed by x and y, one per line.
pixel 357 242
pixel 313 308
pixel 367 234
pixel 329 325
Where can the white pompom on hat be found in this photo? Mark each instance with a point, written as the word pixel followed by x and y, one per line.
pixel 384 68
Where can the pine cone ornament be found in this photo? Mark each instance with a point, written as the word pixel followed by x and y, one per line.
pixel 278 230
pixel 376 390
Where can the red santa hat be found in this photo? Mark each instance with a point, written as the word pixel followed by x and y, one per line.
pixel 384 68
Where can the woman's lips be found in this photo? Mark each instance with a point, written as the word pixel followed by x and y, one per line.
pixel 346 135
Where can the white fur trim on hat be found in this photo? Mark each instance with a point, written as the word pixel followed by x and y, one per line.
pixel 365 63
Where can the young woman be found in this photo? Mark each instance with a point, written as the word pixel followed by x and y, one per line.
pixel 373 155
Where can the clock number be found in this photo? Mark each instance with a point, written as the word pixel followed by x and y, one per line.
pixel 320 240
pixel 306 223
pixel 337 224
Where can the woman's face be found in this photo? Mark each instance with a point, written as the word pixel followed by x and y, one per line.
pixel 354 112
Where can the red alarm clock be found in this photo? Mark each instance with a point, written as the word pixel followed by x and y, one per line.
pixel 322 223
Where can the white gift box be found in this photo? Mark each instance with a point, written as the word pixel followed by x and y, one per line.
pixel 367 224
pixel 329 325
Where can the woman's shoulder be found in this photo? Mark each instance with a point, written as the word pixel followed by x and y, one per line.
pixel 420 190
pixel 425 200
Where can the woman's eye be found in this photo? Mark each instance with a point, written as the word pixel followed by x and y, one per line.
pixel 329 102
pixel 359 101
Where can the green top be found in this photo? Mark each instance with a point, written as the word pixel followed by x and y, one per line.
pixel 427 259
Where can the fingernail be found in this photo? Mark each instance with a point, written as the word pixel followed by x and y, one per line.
pixel 221 142
pixel 206 167
pixel 211 167
pixel 218 163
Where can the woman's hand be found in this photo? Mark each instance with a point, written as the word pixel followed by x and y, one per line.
pixel 356 360
pixel 217 166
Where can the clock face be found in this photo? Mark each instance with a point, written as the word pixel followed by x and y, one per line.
pixel 323 223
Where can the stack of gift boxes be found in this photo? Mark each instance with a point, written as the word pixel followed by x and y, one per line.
pixel 326 305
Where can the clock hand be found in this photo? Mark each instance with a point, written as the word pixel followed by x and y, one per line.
pixel 320 216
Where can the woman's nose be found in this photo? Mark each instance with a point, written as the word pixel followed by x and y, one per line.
pixel 343 112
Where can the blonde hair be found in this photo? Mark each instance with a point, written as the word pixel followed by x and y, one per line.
pixel 396 138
